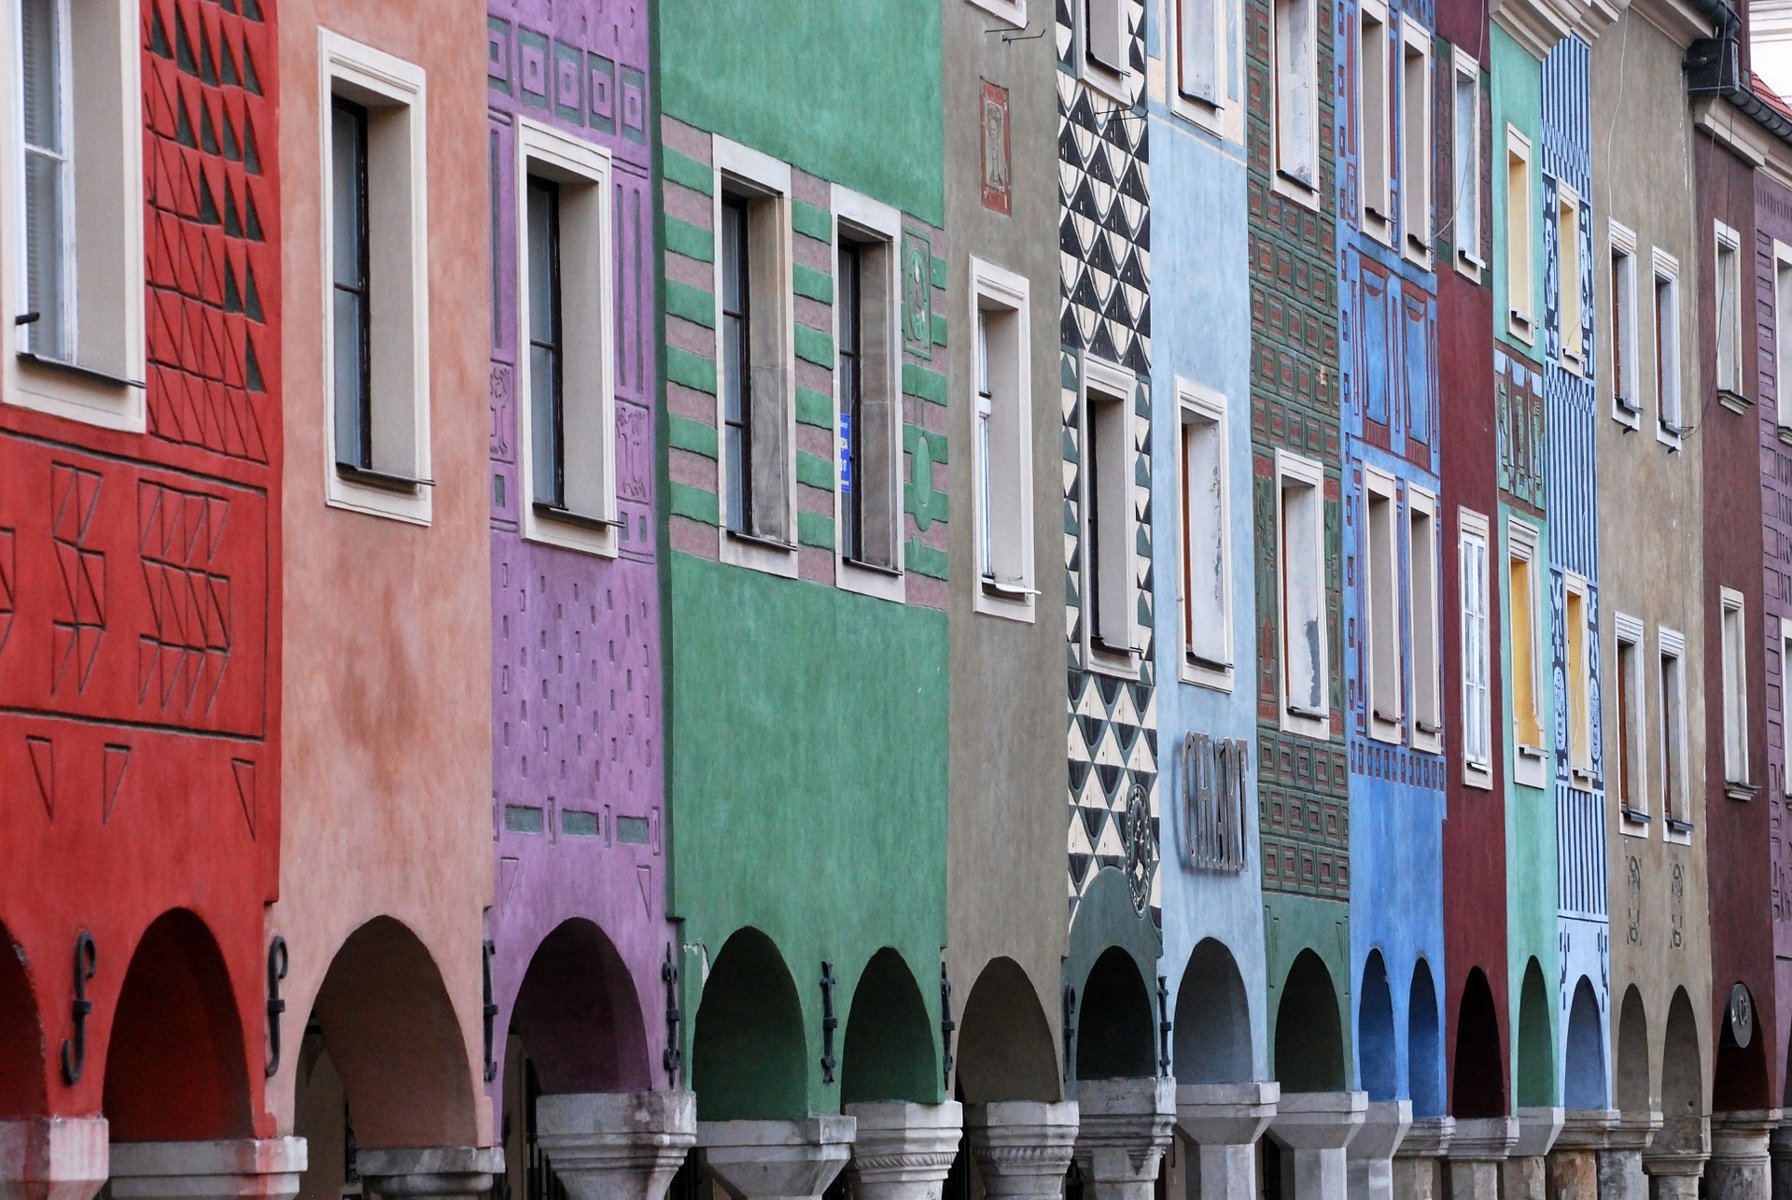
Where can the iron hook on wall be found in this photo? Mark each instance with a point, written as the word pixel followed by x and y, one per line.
pixel 1163 1027
pixel 491 1011
pixel 829 1022
pixel 277 961
pixel 673 1057
pixel 74 1049
pixel 1069 1033
pixel 947 1025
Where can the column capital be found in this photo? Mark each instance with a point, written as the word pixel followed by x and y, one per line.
pixel 1023 1146
pixel 1427 1137
pixel 1319 1120
pixel 1126 1126
pixel 1483 1139
pixel 1384 1127
pixel 232 1167
pixel 770 1160
pixel 53 1158
pixel 431 1172
pixel 1634 1131
pixel 1588 1129
pixel 904 1151
pixel 616 1145
pixel 1538 1129
pixel 1226 1114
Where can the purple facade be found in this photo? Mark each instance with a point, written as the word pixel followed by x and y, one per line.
pixel 578 924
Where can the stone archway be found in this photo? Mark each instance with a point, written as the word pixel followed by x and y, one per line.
pixel 748 1052
pixel 22 1088
pixel 1536 1087
pixel 1739 1078
pixel 1212 1028
pixel 1630 1087
pixel 1424 1046
pixel 1309 1038
pixel 1115 1024
pixel 1378 1053
pixel 1004 1048
pixel 1682 1080
pixel 577 1014
pixel 888 1050
pixel 1478 1085
pixel 1583 1082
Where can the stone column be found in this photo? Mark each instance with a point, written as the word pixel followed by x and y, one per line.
pixel 1779 1150
pixel 616 1145
pixel 268 1169
pixel 1370 1156
pixel 1313 1129
pixel 1023 1147
pixel 1479 1150
pixel 1127 1125
pixel 1574 1160
pixel 1676 1158
pixel 52 1158
pixel 1420 1154
pixel 777 1160
pixel 1524 1176
pixel 903 1151
pixel 430 1172
pixel 1621 1160
pixel 1738 1169
pixel 1224 1121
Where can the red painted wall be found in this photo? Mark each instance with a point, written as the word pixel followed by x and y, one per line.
pixel 139 662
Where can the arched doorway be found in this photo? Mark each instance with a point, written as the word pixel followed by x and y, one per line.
pixel 1536 1042
pixel 1309 1038
pixel 1739 1080
pixel 1004 1048
pixel 1212 1028
pixel 1682 1079
pixel 1115 1026
pixel 22 1089
pixel 1424 1046
pixel 1631 1085
pixel 889 1052
pixel 1378 1055
pixel 1583 1084
pixel 1478 1085
pixel 748 1052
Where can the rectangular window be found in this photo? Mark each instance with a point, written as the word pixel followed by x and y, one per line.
pixel 1782 331
pixel 1373 118
pixel 1104 33
pixel 1785 703
pixel 1568 297
pixel 1629 757
pixel 737 364
pixel 1003 480
pixel 44 72
pixel 1735 683
pixel 1578 664
pixel 377 333
pixel 1300 567
pixel 1728 306
pixel 1422 601
pixel 1110 524
pixel 564 288
pixel 1528 639
pixel 1671 680
pixel 870 414
pixel 1519 289
pixel 1206 547
pixel 1296 93
pixel 1626 402
pixel 1477 652
pixel 1465 233
pixel 1197 50
pixel 1415 138
pixel 1667 348
pixel 1381 617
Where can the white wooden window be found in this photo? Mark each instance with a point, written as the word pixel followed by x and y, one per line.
pixel 565 315
pixel 1415 139
pixel 1003 447
pixel 71 206
pixel 1735 684
pixel 867 396
pixel 376 280
pixel 1477 650
pixel 1465 232
pixel 1666 308
pixel 1520 291
pixel 1206 549
pixel 1300 598
pixel 1671 682
pixel 1626 380
pixel 1727 304
pixel 1782 332
pixel 1296 82
pixel 1110 517
pixel 1381 607
pixel 1424 587
pixel 1578 664
pixel 1010 12
pixel 1529 639
pixel 1629 722
pixel 1199 56
pixel 1374 135
pixel 1569 310
pixel 1104 35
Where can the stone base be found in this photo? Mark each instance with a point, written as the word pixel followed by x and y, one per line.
pixel 1417 1161
pixel 52 1158
pixel 1574 1160
pixel 1621 1161
pixel 1312 1129
pixel 1224 1121
pixel 1127 1125
pixel 616 1145
pixel 1739 1168
pixel 904 1151
pixel 777 1160
pixel 1370 1156
pixel 239 1167
pixel 1477 1155
pixel 431 1172
pixel 1675 1160
pixel 1023 1147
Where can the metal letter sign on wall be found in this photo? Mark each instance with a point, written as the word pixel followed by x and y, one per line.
pixel 1213 802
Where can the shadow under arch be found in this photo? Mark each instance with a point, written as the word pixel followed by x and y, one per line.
pixel 1682 1080
pixel 1536 1042
pixel 1478 1086
pixel 1115 1025
pixel 748 1052
pixel 1630 1086
pixel 1212 1028
pixel 888 1051
pixel 1005 1049
pixel 1739 1077
pixel 1583 1083
pixel 23 1092
pixel 1309 1037
pixel 1378 1053
pixel 176 1068
pixel 1424 1045
pixel 578 1015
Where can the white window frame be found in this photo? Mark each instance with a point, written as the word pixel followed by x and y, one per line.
pixel 1665 269
pixel 744 169
pixel 1782 334
pixel 1525 541
pixel 1285 178
pixel 1580 725
pixel 1117 386
pixel 1671 643
pixel 1571 308
pixel 1416 144
pixel 1111 78
pixel 1384 658
pixel 1375 119
pixel 1009 12
pixel 1424 574
pixel 1202 110
pixel 1733 643
pixel 1621 243
pixel 1726 242
pixel 1632 742
pixel 871 221
pixel 102 112
pixel 1308 473
pixel 1200 405
pixel 997 289
pixel 544 152
pixel 1465 191
pixel 393 90
pixel 1521 322
pixel 1473 530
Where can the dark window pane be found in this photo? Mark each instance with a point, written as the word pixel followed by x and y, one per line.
pixel 547 415
pixel 852 431
pixel 349 277
pixel 737 395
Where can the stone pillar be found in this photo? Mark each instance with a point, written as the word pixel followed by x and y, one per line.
pixel 777 1160
pixel 52 1158
pixel 1738 1169
pixel 1479 1150
pixel 1676 1158
pixel 1420 1154
pixel 1621 1160
pixel 903 1151
pixel 1127 1125
pixel 430 1172
pixel 1023 1147
pixel 1524 1176
pixel 267 1168
pixel 1313 1128
pixel 1779 1150
pixel 616 1145
pixel 1574 1160
pixel 1370 1156
pixel 1224 1121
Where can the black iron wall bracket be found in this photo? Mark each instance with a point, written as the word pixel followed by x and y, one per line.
pixel 947 1025
pixel 491 1011
pixel 829 1022
pixel 74 1048
pixel 277 962
pixel 673 1056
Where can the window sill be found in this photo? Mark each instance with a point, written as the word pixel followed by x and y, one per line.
pixel 1679 831
pixel 1009 12
pixel 1007 601
pixel 1109 81
pixel 1295 188
pixel 1204 114
pixel 569 530
pixel 1735 401
pixel 1574 364
pixel 1519 326
pixel 1418 251
pixel 380 493
pixel 1627 414
pixel 1668 434
pixel 1529 770
pixel 60 366
pixel 1206 673
pixel 871 579
pixel 1108 660
pixel 1470 265
pixel 385 481
pixel 1785 432
pixel 75 393
pixel 1634 822
pixel 758 553
pixel 1738 790
pixel 1478 777
pixel 1427 743
pixel 1377 226
pixel 1309 722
